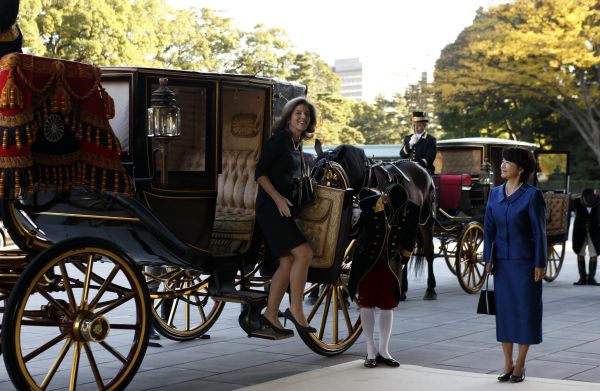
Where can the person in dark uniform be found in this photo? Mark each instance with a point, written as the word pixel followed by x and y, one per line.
pixel 11 39
pixel 586 233
pixel 515 221
pixel 387 233
pixel 276 171
pixel 420 146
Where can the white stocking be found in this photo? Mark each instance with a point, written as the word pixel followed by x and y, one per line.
pixel 386 320
pixel 367 318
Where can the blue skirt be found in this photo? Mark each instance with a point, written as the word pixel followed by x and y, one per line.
pixel 518 302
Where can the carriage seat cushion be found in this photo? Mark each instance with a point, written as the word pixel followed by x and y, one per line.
pixel 234 214
pixel 450 189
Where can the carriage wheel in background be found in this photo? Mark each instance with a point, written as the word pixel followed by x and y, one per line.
pixel 556 257
pixel 182 310
pixel 78 314
pixel 21 228
pixel 448 250
pixel 337 323
pixel 469 258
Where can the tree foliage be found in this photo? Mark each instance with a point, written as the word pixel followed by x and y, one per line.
pixel 518 66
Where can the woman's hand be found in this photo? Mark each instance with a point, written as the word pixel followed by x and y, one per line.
pixel 539 273
pixel 488 268
pixel 283 205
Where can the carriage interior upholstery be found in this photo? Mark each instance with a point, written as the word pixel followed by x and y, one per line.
pixel 557 213
pixel 242 123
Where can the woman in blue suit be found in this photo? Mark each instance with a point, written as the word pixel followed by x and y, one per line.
pixel 515 220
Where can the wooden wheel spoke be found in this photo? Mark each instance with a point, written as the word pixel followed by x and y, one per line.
pixel 103 288
pixel 86 282
pixel 42 323
pixel 45 347
pixel 346 314
pixel 173 311
pixel 116 303
pixel 479 275
pixel 200 309
pixel 114 352
pixel 93 365
pixel 56 364
pixel 67 284
pixel 55 302
pixel 121 326
pixel 75 366
pixel 187 309
pixel 316 306
pixel 334 314
pixel 157 303
pixel 325 314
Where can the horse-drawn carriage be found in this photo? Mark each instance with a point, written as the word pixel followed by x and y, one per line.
pixel 146 225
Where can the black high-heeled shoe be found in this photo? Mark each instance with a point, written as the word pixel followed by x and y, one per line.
pixel 506 376
pixel 517 379
pixel 305 329
pixel 278 330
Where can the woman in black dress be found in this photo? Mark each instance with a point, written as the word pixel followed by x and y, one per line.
pixel 276 171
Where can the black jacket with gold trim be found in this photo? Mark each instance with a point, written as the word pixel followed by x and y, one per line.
pixel 585 222
pixel 379 236
pixel 423 152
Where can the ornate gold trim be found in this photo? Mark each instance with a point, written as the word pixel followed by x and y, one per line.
pixel 103 217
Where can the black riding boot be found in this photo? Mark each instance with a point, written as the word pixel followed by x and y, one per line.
pixel 591 276
pixel 582 276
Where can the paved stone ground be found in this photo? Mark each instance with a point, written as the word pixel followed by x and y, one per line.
pixel 445 334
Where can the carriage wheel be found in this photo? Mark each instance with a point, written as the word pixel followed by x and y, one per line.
pixel 337 323
pixel 448 249
pixel 62 326
pixel 21 228
pixel 469 258
pixel 556 257
pixel 182 310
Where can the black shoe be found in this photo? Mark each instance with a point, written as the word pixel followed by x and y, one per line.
pixel 390 362
pixel 278 330
pixel 592 281
pixel 506 377
pixel 153 335
pixel 305 329
pixel 402 296
pixel 370 362
pixel 581 281
pixel 517 379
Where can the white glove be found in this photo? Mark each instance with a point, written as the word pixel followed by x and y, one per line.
pixel 414 139
pixel 355 215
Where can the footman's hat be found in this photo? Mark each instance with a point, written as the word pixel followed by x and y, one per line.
pixel 419 116
pixel 589 197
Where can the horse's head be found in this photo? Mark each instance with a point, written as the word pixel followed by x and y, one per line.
pixel 352 159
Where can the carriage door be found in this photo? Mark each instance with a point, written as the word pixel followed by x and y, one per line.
pixel 552 173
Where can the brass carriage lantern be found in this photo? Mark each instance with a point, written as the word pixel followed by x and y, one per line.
pixel 486 174
pixel 164 121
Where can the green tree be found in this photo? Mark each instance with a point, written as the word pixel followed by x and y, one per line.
pixel 335 114
pixel 381 122
pixel 523 53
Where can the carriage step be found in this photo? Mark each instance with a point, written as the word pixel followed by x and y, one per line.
pixel 241 296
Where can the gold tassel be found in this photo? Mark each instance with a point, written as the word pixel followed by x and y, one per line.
pixel 79 134
pixel 97 137
pixel 109 141
pixel 88 136
pixel 5 138
pixel 60 100
pixel 28 135
pixel 11 97
pixel 30 188
pixel 2 183
pixel 103 185
pixel 18 138
pixel 109 103
pixel 17 184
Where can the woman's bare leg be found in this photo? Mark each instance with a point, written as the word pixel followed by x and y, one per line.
pixel 302 257
pixel 507 349
pixel 520 363
pixel 279 284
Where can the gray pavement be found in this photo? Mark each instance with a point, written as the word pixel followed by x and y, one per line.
pixel 444 334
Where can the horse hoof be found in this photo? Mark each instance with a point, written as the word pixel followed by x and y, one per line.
pixel 430 295
pixel 402 296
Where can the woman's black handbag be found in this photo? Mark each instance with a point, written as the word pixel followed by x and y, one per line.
pixel 305 192
pixel 487 297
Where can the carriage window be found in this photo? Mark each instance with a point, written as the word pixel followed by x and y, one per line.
pixel 187 153
pixel 458 161
pixel 552 171
pixel 120 91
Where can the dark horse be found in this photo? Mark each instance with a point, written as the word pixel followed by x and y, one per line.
pixel 364 175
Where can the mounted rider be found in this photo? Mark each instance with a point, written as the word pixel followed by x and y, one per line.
pixel 420 147
pixel 11 39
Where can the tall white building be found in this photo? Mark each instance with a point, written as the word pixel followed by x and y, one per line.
pixel 351 74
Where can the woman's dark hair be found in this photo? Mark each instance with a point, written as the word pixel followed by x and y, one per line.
pixel 523 158
pixel 287 111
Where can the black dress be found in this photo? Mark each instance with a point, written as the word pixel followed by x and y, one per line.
pixel 280 162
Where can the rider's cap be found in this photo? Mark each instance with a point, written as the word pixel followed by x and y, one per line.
pixel 419 116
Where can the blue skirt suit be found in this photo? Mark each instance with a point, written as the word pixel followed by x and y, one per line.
pixel 517 226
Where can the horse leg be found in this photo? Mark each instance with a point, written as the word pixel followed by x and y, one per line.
pixel 404 283
pixel 430 293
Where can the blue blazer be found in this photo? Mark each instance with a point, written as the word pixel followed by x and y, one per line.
pixel 517 224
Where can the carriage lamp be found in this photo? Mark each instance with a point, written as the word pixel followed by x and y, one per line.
pixel 486 175
pixel 164 121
